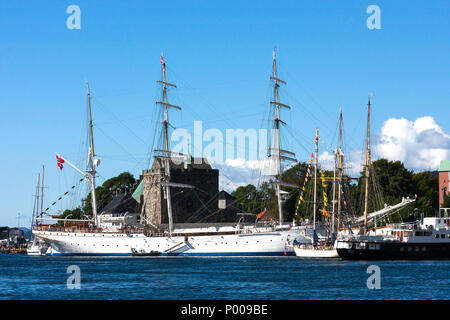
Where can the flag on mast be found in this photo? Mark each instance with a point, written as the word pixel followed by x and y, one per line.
pixel 163 63
pixel 59 162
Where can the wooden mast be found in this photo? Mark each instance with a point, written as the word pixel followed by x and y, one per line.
pixel 279 152
pixel 42 192
pixel 316 141
pixel 90 121
pixel 340 165
pixel 333 217
pixel 166 116
pixel 37 200
pixel 277 132
pixel 91 161
pixel 166 151
pixel 367 165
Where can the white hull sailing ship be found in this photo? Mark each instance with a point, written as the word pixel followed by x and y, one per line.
pixel 259 239
pixel 323 248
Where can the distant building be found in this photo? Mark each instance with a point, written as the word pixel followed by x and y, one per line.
pixel 444 180
pixel 4 233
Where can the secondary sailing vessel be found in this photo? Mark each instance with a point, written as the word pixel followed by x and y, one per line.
pixel 98 237
pixel 319 247
pixel 37 247
pixel 429 239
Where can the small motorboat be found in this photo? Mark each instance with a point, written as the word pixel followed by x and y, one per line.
pixel 143 253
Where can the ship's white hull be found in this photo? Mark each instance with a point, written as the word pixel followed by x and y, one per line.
pixel 269 243
pixel 309 252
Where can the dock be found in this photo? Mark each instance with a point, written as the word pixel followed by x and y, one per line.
pixel 13 250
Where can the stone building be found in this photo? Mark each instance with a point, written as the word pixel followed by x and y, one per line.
pixel 203 203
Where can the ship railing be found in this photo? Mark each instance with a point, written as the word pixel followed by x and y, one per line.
pixel 405 226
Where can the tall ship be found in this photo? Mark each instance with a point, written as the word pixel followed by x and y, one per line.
pixel 153 231
pixel 427 238
pixel 323 246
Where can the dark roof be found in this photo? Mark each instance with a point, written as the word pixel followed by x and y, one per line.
pixel 178 163
pixel 225 195
pixel 122 202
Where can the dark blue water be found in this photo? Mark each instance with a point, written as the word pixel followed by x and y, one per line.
pixel 23 277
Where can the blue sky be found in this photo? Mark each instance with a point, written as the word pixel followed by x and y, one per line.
pixel 219 53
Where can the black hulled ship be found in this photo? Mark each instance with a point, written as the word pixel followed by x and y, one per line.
pixel 421 240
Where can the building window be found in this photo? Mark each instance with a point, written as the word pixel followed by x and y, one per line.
pixel 222 203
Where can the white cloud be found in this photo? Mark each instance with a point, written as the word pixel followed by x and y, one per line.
pixel 352 162
pixel 238 172
pixel 420 145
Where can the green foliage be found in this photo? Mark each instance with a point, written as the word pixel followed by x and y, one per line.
pixel 426 187
pixel 393 179
pixel 104 195
pixel 250 199
pixel 71 214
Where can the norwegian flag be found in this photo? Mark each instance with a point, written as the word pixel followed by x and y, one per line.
pixel 59 162
pixel 163 63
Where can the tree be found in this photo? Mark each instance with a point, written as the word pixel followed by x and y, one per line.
pixel 246 197
pixel 105 193
pixel 426 188
pixel 76 213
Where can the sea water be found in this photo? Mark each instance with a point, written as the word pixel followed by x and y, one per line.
pixel 26 277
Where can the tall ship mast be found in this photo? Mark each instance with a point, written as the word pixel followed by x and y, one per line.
pixel 367 169
pixel 279 153
pixel 92 161
pixel 166 154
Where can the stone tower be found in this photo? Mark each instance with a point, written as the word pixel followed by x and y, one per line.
pixel 188 205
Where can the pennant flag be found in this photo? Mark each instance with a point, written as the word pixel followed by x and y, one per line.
pixel 261 214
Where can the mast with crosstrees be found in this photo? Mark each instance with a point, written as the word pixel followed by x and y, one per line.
pixel 279 153
pixel 166 154
pixel 92 162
